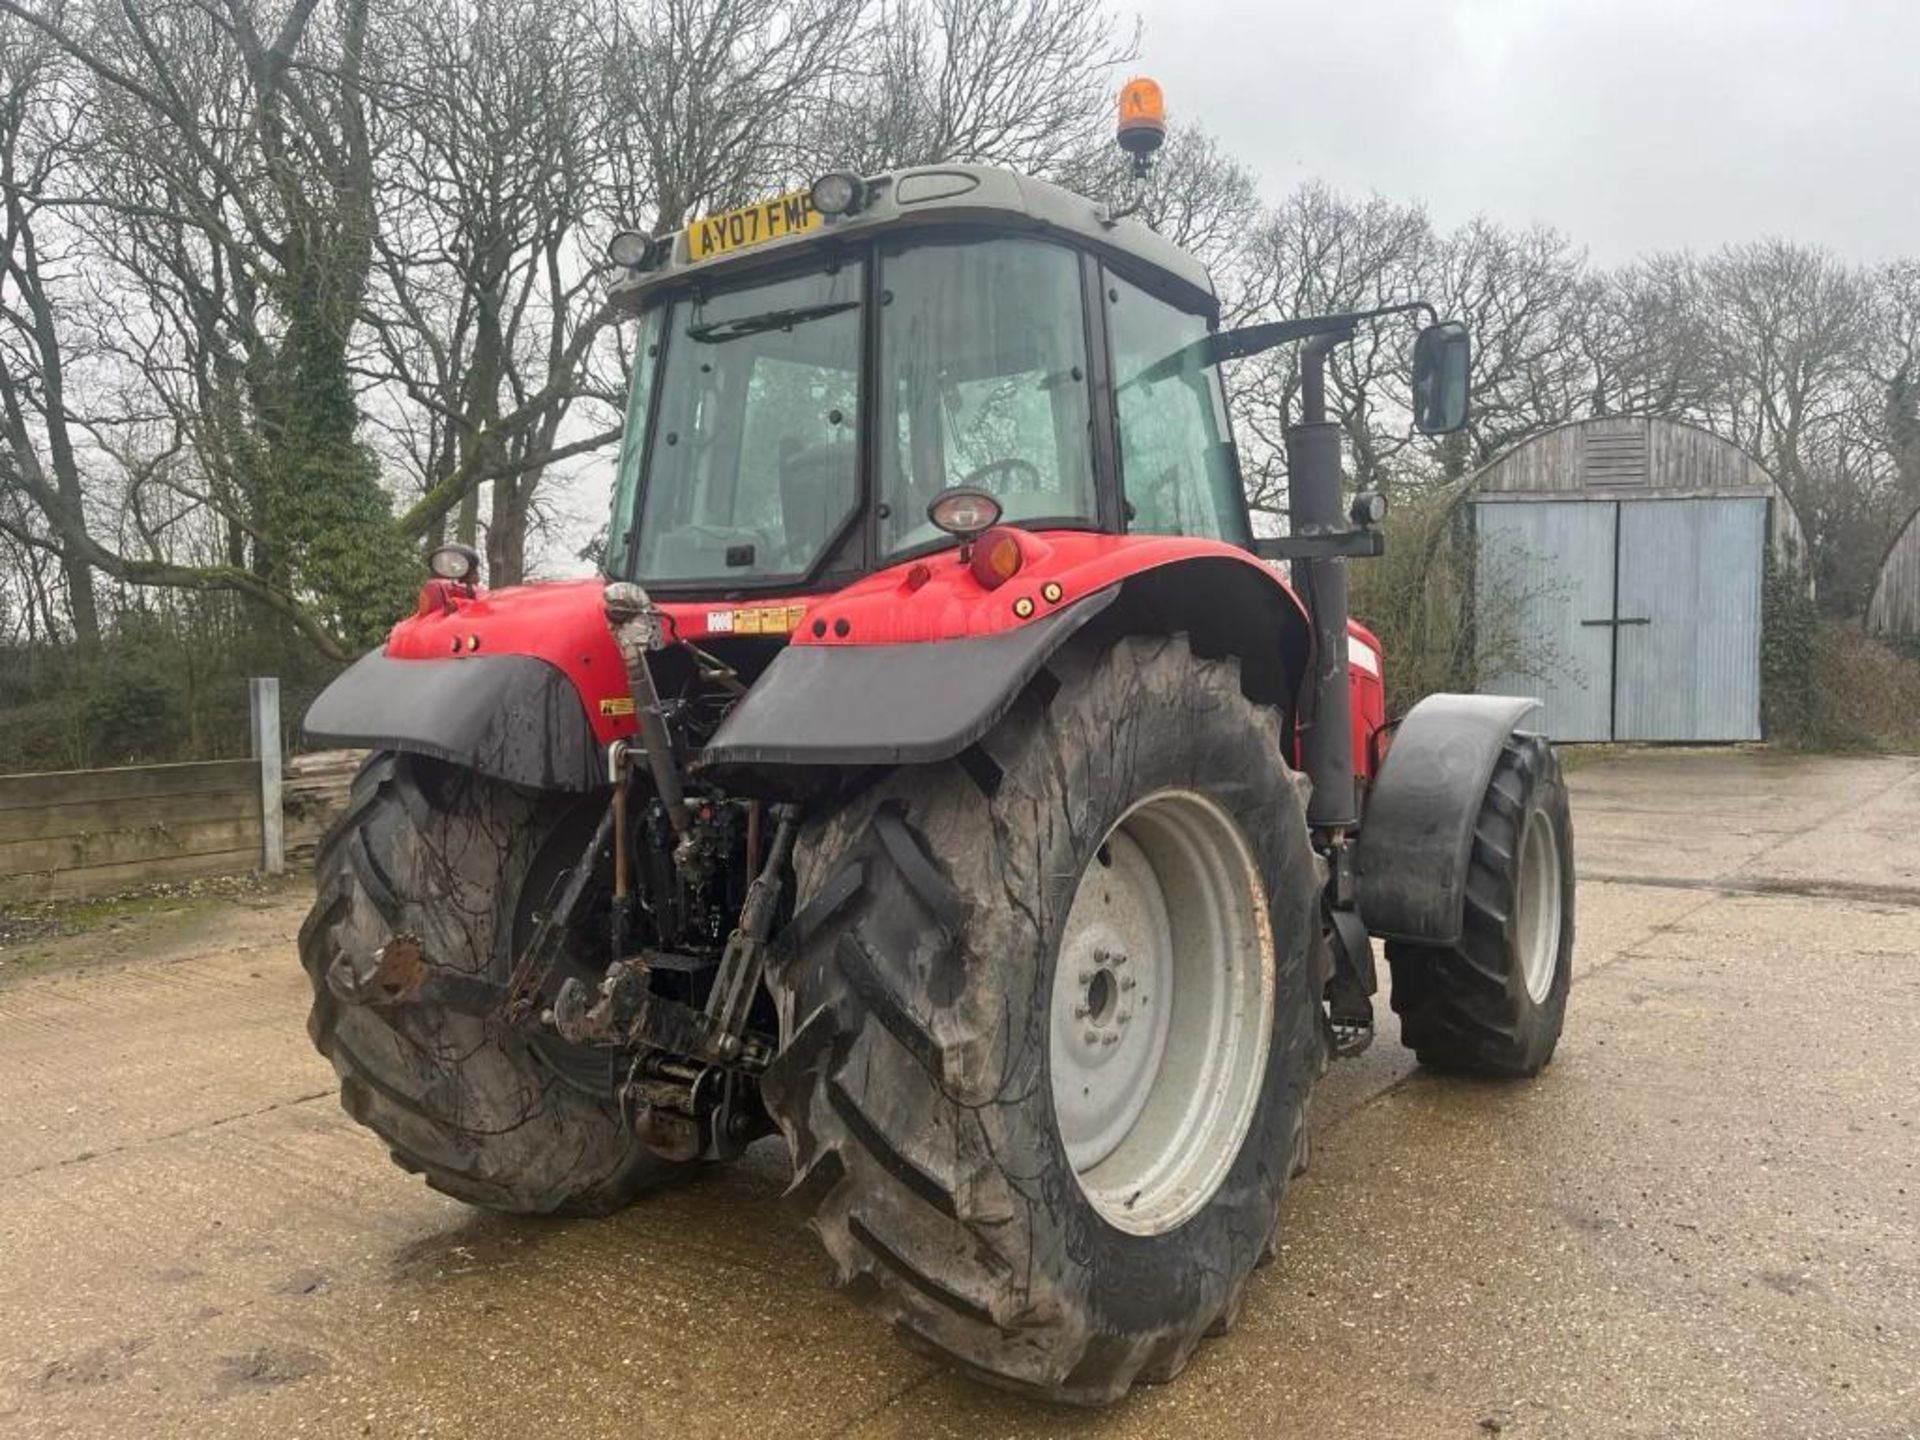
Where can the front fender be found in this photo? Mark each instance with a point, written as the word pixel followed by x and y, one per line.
pixel 513 717
pixel 1416 840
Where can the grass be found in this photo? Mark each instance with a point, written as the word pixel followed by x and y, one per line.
pixel 45 935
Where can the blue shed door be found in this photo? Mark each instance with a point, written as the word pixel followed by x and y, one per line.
pixel 1544 569
pixel 1689 613
pixel 1629 619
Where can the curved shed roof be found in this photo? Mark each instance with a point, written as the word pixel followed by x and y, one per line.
pixel 1895 607
pixel 1637 456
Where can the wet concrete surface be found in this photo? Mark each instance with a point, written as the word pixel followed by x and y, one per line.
pixel 1699 1221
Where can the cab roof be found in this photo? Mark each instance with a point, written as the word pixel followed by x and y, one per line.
pixel 945 195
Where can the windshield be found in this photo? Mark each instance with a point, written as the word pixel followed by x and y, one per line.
pixel 752 470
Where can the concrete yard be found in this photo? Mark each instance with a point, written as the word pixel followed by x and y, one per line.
pixel 1700 1221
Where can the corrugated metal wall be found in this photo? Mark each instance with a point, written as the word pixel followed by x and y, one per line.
pixel 1632 619
pixel 1691 571
pixel 1895 607
pixel 1540 571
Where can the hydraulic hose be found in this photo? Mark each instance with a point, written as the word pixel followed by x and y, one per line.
pixel 637 631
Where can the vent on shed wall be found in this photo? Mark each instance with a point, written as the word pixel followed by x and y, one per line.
pixel 1617 458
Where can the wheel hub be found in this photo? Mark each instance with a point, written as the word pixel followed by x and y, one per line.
pixel 1110 1022
pixel 1537 921
pixel 1161 1011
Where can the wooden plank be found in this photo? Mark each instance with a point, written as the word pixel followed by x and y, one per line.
pixel 304 832
pixel 325 762
pixel 57 787
pixel 125 847
pixel 89 817
pixel 101 880
pixel 317 789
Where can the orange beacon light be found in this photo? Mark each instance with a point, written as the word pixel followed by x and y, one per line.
pixel 1143 120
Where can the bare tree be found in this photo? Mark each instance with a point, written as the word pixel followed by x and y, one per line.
pixel 484 307
pixel 705 96
pixel 1790 333
pixel 1521 294
pixel 273 219
pixel 1024 83
pixel 1321 253
pixel 1197 195
pixel 35 423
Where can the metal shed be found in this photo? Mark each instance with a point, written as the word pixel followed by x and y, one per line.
pixel 1895 607
pixel 1619 568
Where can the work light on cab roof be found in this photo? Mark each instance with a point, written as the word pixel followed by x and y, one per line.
pixel 633 250
pixel 836 193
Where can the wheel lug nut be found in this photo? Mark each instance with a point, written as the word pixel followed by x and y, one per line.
pixel 1128 983
pixel 1080 1012
pixel 1109 1039
pixel 1093 1037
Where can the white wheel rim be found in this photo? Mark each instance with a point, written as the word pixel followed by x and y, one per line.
pixel 1537 907
pixel 1162 1012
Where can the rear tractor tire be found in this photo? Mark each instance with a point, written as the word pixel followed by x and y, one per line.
pixel 491 1118
pixel 1053 1023
pixel 1494 1002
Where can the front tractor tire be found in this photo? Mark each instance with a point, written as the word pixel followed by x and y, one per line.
pixel 1053 1025
pixel 1494 1002
pixel 485 1115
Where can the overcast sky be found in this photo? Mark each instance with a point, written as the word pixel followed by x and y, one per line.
pixel 1630 125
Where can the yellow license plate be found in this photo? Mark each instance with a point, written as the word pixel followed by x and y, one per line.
pixel 751 225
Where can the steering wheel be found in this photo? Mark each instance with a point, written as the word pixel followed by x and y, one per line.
pixel 1008 463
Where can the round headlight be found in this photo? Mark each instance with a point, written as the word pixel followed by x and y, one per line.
pixel 963 512
pixel 631 248
pixel 458 563
pixel 1369 508
pixel 838 192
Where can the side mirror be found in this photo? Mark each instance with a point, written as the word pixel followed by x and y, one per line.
pixel 1442 364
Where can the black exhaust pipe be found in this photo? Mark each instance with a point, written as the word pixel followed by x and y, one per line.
pixel 1313 484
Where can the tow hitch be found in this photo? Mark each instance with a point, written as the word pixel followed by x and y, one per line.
pixel 625 1012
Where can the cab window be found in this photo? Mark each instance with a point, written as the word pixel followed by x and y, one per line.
pixel 1176 469
pixel 754 466
pixel 983 368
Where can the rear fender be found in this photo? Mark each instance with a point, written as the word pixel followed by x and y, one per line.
pixel 888 687
pixel 1416 840
pixel 514 717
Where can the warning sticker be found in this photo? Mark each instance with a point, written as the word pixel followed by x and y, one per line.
pixel 616 706
pixel 761 620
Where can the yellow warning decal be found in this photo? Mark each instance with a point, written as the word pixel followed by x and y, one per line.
pixel 617 706
pixel 762 620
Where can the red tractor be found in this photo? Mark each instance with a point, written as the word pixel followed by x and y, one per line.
pixel 943 777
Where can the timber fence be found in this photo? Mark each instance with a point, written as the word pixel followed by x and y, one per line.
pixel 78 834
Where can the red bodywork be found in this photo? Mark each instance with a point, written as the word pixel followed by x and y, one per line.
pixel 921 601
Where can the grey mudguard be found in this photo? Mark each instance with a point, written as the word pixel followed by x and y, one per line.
pixel 1417 838
pixel 513 717
pixel 888 704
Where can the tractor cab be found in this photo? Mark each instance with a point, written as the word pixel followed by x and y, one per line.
pixel 812 373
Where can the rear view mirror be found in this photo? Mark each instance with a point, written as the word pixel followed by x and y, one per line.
pixel 1442 362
